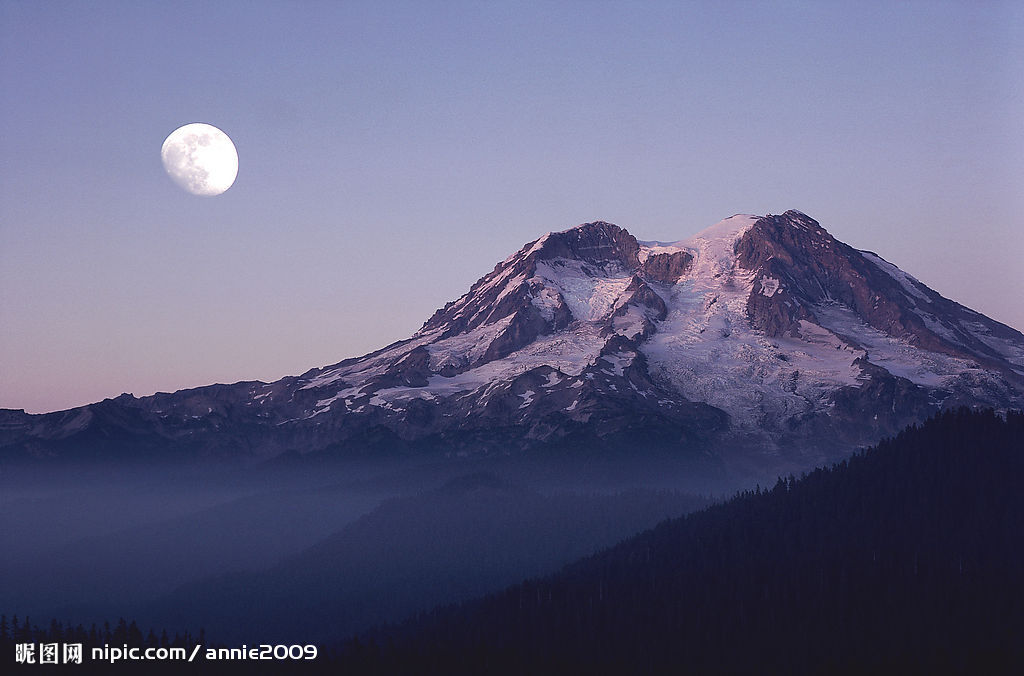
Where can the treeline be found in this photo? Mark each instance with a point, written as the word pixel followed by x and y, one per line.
pixel 15 632
pixel 23 631
pixel 906 558
pixel 127 635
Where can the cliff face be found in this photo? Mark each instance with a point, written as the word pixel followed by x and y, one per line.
pixel 798 265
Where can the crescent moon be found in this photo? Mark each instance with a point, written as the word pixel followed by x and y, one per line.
pixel 200 158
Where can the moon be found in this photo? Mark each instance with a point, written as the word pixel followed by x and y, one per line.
pixel 200 158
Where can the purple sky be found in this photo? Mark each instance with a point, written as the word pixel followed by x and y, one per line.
pixel 392 153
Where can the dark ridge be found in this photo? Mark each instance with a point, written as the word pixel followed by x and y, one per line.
pixel 906 558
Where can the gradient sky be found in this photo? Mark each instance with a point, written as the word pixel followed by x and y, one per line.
pixel 392 152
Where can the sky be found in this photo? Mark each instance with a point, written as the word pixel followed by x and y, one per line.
pixel 390 153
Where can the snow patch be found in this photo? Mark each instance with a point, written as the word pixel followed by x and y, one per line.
pixel 325 404
pixel 589 297
pixel 547 301
pixel 653 248
pixel 513 285
pixel 466 348
pixel 769 285
pixel 538 245
pixel 722 235
pixel 570 352
pixel 1011 351
pixel 618 362
pixel 365 368
pixel 909 283
pixel 527 397
pixel 896 356
pixel 553 379
pixel 630 324
pixel 379 401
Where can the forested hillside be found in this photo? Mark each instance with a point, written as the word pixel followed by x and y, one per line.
pixel 906 558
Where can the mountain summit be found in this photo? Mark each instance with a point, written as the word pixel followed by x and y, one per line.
pixel 762 335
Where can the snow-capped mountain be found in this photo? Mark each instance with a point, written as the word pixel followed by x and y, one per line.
pixel 758 334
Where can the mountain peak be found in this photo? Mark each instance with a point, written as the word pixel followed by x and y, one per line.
pixel 592 226
pixel 760 330
pixel 726 230
pixel 597 242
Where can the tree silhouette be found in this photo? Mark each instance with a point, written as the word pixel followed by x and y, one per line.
pixel 905 558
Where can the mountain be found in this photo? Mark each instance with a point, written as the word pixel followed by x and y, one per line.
pixel 759 342
pixel 905 559
pixel 474 535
